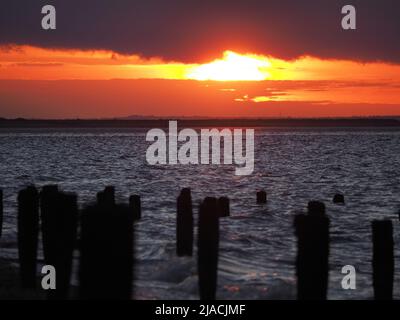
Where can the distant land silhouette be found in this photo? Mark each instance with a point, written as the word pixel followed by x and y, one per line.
pixel 192 122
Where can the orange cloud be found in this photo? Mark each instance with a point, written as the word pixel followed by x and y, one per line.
pixel 307 86
pixel 23 62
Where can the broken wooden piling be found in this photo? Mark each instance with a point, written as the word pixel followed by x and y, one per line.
pixel 106 197
pixel 261 197
pixel 338 198
pixel 383 259
pixel 48 215
pixel 223 207
pixel 312 231
pixel 184 224
pixel 59 215
pixel 27 235
pixel 106 264
pixel 1 212
pixel 208 247
pixel 136 207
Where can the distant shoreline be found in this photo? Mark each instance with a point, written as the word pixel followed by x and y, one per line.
pixel 195 123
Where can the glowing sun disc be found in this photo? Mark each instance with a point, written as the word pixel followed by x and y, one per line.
pixel 232 67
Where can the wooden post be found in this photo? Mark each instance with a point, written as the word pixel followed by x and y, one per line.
pixel 184 224
pixel 67 234
pixel 383 259
pixel 1 212
pixel 48 214
pixel 261 197
pixel 106 197
pixel 27 233
pixel 312 231
pixel 136 207
pixel 59 228
pixel 223 207
pixel 208 244
pixel 338 198
pixel 106 265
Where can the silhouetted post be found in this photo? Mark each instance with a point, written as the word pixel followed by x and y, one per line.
pixel 208 243
pixel 67 229
pixel 106 265
pixel 48 214
pixel 59 228
pixel 27 233
pixel 106 197
pixel 338 198
pixel 1 212
pixel 136 207
pixel 223 207
pixel 261 197
pixel 312 231
pixel 184 224
pixel 383 259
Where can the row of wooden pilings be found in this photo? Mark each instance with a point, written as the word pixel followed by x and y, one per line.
pixel 103 233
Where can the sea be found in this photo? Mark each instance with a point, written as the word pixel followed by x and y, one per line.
pixel 257 242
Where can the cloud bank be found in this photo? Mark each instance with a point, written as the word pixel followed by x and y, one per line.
pixel 195 31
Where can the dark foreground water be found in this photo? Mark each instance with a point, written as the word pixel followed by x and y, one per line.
pixel 258 247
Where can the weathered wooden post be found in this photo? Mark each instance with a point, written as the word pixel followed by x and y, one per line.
pixel 223 207
pixel 261 197
pixel 184 224
pixel 338 198
pixel 67 229
pixel 383 259
pixel 1 212
pixel 59 227
pixel 106 265
pixel 106 197
pixel 208 247
pixel 48 214
pixel 27 233
pixel 136 207
pixel 312 231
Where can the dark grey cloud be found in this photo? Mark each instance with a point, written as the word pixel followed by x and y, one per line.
pixel 196 30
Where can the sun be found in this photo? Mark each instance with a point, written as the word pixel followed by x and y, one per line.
pixel 232 67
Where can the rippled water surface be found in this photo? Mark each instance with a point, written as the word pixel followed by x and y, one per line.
pixel 258 247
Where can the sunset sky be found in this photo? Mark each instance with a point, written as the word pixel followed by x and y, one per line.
pixel 205 59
